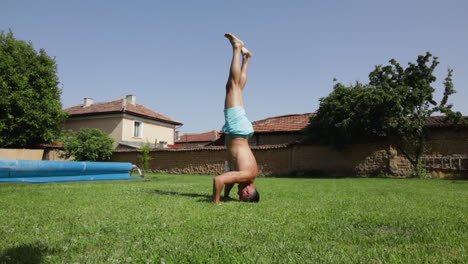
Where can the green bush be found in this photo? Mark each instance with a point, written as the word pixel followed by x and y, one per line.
pixel 144 157
pixel 88 144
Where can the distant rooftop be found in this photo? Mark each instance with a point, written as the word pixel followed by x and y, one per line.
pixel 297 122
pixel 201 137
pixel 122 105
pixel 442 121
pixel 285 123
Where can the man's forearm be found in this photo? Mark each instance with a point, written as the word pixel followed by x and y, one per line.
pixel 218 185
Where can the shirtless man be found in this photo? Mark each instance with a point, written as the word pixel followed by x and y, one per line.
pixel 238 129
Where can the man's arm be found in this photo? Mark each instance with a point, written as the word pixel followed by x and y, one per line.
pixel 218 185
pixel 227 189
pixel 228 178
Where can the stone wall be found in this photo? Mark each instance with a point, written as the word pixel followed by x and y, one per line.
pixel 55 155
pixel 272 138
pixel 445 145
pixel 21 154
pixel 448 141
pixel 188 161
pixel 274 160
pixel 360 160
pixel 366 160
pixel 207 160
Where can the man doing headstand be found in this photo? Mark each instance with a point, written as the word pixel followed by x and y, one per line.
pixel 237 129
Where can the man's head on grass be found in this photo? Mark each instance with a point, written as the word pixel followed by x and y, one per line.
pixel 248 193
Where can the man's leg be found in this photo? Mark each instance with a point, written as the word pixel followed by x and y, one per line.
pixel 237 79
pixel 233 99
pixel 246 54
pixel 233 88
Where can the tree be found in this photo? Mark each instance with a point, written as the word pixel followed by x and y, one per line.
pixel 30 108
pixel 87 144
pixel 396 103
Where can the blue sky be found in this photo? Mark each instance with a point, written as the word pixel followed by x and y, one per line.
pixel 172 54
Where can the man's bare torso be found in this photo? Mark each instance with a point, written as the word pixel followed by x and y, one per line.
pixel 240 157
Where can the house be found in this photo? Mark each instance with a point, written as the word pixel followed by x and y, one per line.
pixel 130 124
pixel 199 140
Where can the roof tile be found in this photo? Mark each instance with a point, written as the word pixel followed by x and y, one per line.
pixel 119 105
pixel 442 121
pixel 283 123
pixel 202 137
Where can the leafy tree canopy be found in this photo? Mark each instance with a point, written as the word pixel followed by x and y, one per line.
pixel 30 108
pixel 396 102
pixel 87 144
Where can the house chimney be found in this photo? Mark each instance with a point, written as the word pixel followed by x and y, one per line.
pixel 88 102
pixel 131 99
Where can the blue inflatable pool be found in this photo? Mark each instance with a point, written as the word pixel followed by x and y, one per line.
pixel 35 171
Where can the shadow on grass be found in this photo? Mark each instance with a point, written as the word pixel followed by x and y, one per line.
pixel 29 253
pixel 203 197
pixel 309 174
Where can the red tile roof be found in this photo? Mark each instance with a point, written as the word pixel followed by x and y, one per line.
pixel 297 122
pixel 285 123
pixel 174 146
pixel 118 106
pixel 441 121
pixel 202 137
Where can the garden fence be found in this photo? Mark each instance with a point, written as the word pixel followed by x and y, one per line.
pixel 456 163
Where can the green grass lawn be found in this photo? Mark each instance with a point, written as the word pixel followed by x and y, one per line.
pixel 170 219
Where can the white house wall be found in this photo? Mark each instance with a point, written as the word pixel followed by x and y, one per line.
pixel 151 131
pixel 110 125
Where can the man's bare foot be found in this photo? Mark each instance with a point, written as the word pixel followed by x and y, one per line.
pixel 246 52
pixel 235 42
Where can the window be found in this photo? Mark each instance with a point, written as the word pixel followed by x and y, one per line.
pixel 137 129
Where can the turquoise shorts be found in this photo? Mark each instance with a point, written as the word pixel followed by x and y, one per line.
pixel 237 124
